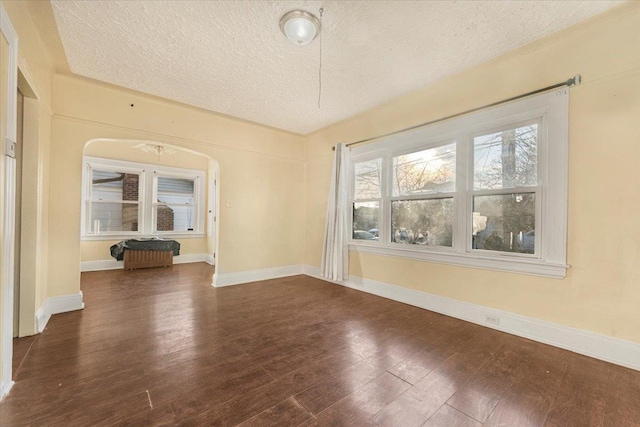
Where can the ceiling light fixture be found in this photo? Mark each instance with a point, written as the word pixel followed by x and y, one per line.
pixel 300 27
pixel 158 150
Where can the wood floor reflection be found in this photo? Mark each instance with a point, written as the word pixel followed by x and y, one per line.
pixel 162 347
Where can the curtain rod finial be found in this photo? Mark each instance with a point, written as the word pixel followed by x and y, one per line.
pixel 575 80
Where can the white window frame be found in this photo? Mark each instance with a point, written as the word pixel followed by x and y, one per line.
pixel 351 199
pixel 198 199
pixel 429 143
pixel 147 198
pixel 551 111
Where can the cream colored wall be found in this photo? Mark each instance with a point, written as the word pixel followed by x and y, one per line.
pixel 601 292
pixel 261 181
pixel 123 150
pixel 36 63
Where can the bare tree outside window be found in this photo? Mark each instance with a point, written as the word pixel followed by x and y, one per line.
pixel 368 177
pixel 506 159
pixel 424 172
pixel 503 160
pixel 367 195
pixel 428 220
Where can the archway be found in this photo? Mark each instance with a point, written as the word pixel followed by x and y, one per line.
pixel 143 188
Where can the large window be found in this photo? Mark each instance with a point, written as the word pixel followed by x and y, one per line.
pixel 124 199
pixel 486 190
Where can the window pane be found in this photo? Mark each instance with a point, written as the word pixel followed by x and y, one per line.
pixel 367 179
pixel 506 159
pixel 106 217
pixel 428 171
pixel 175 190
pixel 365 220
pixel 505 222
pixel 422 222
pixel 175 218
pixel 107 185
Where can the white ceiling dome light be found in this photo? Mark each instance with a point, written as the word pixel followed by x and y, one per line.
pixel 300 27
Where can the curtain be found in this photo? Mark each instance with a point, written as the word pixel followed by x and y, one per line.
pixel 335 252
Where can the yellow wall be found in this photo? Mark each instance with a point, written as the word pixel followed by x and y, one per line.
pixel 36 63
pixel 124 150
pixel 601 292
pixel 261 179
pixel 276 185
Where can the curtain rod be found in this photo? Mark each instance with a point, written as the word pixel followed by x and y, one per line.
pixel 575 80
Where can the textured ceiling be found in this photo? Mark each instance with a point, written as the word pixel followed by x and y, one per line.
pixel 230 56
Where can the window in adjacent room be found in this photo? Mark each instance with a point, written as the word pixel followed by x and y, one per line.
pixel 175 207
pixel 114 204
pixel 124 199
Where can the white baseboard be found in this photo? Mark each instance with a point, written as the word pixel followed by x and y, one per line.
pixel 229 279
pixel 5 387
pixel 42 317
pixel 209 259
pixel 613 350
pixel 112 264
pixel 99 265
pixel 189 258
pixel 56 305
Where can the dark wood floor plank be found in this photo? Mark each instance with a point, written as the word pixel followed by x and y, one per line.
pixel 21 347
pixel 439 346
pixel 424 398
pixel 418 365
pixel 521 406
pixel 359 407
pixel 287 413
pixel 596 394
pixel 532 388
pixel 328 391
pixel 448 416
pixel 162 347
pixel 622 399
pixel 246 406
pixel 481 394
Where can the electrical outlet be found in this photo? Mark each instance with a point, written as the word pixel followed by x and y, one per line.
pixel 493 320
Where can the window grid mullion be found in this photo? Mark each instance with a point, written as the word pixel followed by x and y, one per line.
pixel 426 196
pixel 503 191
pixel 387 169
pixel 364 200
pixel 460 212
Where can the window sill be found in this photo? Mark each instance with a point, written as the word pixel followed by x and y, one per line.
pixel 140 236
pixel 498 263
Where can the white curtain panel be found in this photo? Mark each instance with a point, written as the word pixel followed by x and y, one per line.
pixel 335 253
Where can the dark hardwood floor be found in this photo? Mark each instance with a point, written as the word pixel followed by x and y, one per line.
pixel 21 347
pixel 162 347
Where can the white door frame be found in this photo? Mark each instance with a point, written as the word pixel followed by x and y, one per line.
pixel 9 183
pixel 212 212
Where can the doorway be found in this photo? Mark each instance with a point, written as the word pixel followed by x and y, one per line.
pixel 18 214
pixel 8 92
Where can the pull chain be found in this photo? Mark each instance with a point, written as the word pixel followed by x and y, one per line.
pixel 320 61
